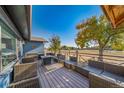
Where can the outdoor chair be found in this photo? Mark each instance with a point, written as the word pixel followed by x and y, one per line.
pixel 72 58
pixel 112 76
pixel 101 81
pixel 60 56
pixel 92 66
pixel 25 74
pixel 30 58
pixel 25 71
pixel 27 83
pixel 100 74
pixel 70 64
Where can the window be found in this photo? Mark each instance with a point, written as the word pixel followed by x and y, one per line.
pixel 8 45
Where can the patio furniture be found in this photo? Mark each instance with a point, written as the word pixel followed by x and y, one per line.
pixel 72 58
pixel 25 74
pixel 82 71
pixel 70 64
pixel 92 66
pixel 60 56
pixel 25 71
pixel 47 60
pixel 30 58
pixel 101 81
pixel 27 83
pixel 102 74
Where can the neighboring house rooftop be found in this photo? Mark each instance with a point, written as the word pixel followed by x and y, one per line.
pixel 38 39
pixel 115 14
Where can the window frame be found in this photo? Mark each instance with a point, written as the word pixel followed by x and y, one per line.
pixel 8 66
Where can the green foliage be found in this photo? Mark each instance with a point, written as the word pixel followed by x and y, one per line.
pixel 98 30
pixel 118 43
pixel 64 47
pixel 55 44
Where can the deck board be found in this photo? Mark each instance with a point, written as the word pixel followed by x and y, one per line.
pixel 73 79
pixel 78 77
pixel 57 80
pixel 44 81
pixel 57 76
pixel 67 85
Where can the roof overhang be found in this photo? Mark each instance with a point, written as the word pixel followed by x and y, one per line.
pixel 21 17
pixel 38 39
pixel 115 14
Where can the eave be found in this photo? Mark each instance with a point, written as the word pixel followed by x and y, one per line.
pixel 115 14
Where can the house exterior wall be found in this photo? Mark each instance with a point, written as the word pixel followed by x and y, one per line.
pixel 34 47
pixel 6 72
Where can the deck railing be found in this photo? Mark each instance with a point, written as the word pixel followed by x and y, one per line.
pixel 116 57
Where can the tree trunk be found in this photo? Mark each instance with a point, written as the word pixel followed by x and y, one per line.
pixel 55 53
pixel 101 54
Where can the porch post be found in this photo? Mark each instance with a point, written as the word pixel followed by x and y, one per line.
pixel 66 55
pixel 77 56
pixel 69 54
pixel 0 51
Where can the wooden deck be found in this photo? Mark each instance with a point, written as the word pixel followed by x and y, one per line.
pixel 57 76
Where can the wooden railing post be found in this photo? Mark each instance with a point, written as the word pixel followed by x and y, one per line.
pixel 64 53
pixel 67 53
pixel 77 56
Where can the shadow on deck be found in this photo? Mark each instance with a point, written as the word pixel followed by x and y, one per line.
pixel 57 76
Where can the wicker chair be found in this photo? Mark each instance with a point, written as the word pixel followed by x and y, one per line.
pixel 27 83
pixel 25 71
pixel 25 74
pixel 70 64
pixel 98 81
pixel 95 67
pixel 67 65
pixel 82 71
pixel 29 59
pixel 72 58
pixel 115 69
pixel 111 77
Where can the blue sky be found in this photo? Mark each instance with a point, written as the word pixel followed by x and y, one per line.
pixel 60 20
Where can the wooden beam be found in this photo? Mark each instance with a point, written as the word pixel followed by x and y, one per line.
pixel 110 12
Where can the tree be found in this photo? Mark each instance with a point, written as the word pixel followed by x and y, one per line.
pixel 97 30
pixel 55 44
pixel 64 47
pixel 118 43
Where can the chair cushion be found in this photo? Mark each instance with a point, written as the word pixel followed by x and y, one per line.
pixel 113 77
pixel 92 69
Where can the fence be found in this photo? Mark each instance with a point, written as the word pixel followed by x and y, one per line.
pixel 116 57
